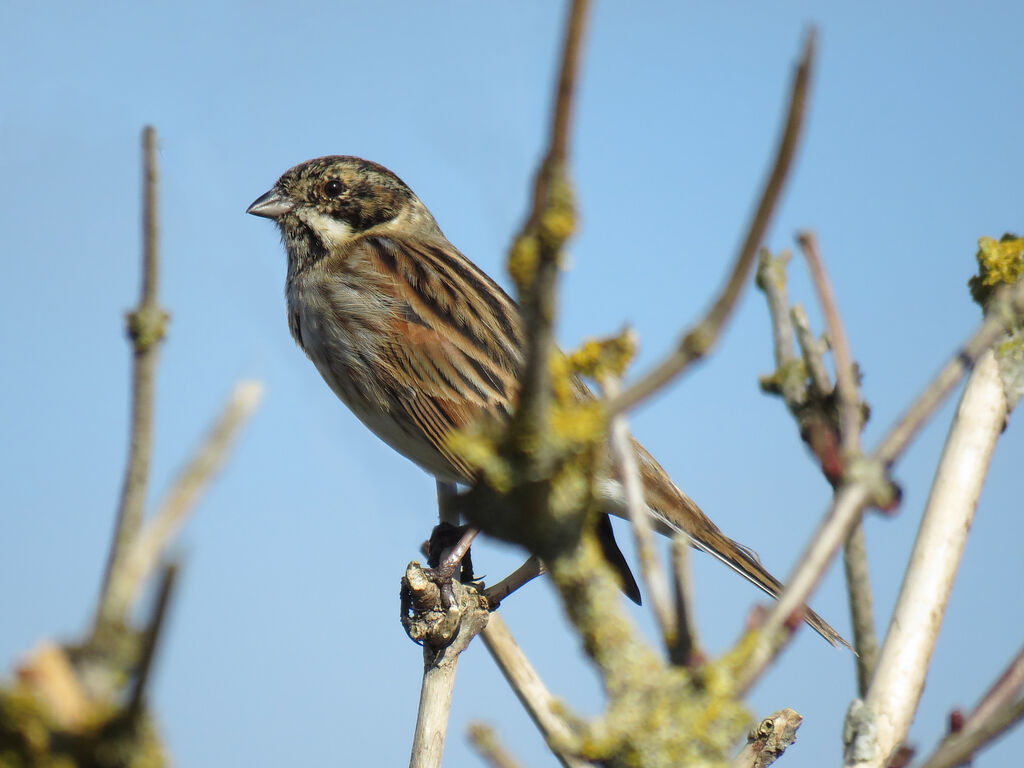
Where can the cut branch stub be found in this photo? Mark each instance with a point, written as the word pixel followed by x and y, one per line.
pixel 429 622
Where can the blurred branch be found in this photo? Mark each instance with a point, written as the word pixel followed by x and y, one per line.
pixel 846 376
pixel 958 749
pixel 138 563
pixel 813 351
pixel 684 652
pixel 536 254
pixel 999 709
pixel 808 394
pixel 485 741
pixel 544 709
pixel 624 460
pixel 85 704
pixel 862 614
pixel 999 694
pixel 770 278
pixel 855 559
pixel 696 343
pixel 146 326
pixel 1007 304
pixel 151 637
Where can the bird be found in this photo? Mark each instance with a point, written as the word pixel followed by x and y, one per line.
pixel 418 341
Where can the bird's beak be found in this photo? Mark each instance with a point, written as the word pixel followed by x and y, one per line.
pixel 272 205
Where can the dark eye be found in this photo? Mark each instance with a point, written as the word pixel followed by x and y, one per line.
pixel 333 188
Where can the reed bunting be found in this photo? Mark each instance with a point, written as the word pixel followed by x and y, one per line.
pixel 418 341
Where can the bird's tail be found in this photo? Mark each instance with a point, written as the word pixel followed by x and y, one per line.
pixel 678 513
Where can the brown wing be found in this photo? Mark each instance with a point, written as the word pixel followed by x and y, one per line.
pixel 453 350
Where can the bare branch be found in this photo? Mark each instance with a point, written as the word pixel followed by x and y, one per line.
pixel 813 351
pixel 551 221
pixel 958 749
pixel 1007 303
pixel 151 637
pixel 870 484
pixel 525 573
pixel 684 652
pixel 485 741
pixel 624 460
pixel 770 278
pixel 846 377
pixel 806 391
pixel 432 715
pixel 696 343
pixel 146 325
pixel 445 632
pixel 855 561
pixel 543 708
pixel 899 678
pixel 862 614
pixel 767 742
pixel 903 662
pixel 1001 692
pixel 152 542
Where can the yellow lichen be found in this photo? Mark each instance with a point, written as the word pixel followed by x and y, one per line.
pixel 478 449
pixel 522 261
pixel 558 220
pixel 597 358
pixel 579 424
pixel 999 263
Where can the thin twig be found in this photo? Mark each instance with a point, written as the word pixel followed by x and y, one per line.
pixel 489 747
pixel 770 277
pixel 846 378
pixel 684 651
pixel 851 499
pixel 562 109
pixel 543 708
pixel 152 636
pixel 700 338
pixel 525 573
pixel 1007 303
pixel 997 711
pixel 651 570
pixel 862 615
pixel 152 542
pixel 146 325
pixel 855 561
pixel 1002 691
pixel 812 349
pixel 537 297
pixel 806 390
pixel 957 750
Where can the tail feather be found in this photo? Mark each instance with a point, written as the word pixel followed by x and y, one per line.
pixel 676 512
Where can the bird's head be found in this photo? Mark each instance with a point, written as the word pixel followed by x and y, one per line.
pixel 323 204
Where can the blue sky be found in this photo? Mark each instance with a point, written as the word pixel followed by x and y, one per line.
pixel 913 151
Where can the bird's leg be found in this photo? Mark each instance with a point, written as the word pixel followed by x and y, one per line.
pixel 447 549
